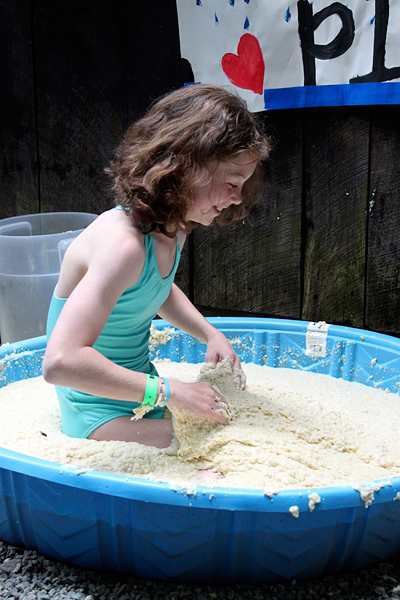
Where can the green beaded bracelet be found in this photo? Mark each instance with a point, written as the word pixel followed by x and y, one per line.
pixel 150 395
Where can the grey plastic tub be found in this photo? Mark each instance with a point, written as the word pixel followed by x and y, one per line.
pixel 31 250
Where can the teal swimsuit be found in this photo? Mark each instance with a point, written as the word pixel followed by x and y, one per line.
pixel 123 340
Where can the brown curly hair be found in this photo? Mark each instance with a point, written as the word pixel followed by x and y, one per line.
pixel 165 154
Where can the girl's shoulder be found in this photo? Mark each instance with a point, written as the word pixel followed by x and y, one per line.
pixel 116 227
pixel 117 246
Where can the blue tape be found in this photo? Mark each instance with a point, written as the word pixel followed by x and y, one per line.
pixel 351 94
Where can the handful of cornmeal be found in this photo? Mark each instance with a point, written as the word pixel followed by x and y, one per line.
pixel 288 429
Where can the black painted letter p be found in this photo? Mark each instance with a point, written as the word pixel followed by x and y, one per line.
pixel 308 23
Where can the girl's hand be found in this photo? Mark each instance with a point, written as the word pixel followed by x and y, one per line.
pixel 218 348
pixel 199 399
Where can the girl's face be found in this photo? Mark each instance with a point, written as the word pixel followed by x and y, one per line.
pixel 223 189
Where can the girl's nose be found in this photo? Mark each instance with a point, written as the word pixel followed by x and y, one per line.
pixel 236 196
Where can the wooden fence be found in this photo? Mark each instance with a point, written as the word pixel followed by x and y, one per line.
pixel 324 242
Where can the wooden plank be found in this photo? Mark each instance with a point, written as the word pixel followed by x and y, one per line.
pixel 154 61
pixel 255 267
pixel 99 65
pixel 383 264
pixel 18 185
pixel 336 180
pixel 80 49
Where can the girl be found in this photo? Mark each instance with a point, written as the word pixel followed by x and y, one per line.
pixel 193 159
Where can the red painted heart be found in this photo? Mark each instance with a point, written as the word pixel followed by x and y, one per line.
pixel 246 68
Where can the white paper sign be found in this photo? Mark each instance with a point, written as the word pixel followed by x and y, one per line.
pixel 277 48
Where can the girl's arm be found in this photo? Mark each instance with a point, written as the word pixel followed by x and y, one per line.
pixel 70 359
pixel 180 312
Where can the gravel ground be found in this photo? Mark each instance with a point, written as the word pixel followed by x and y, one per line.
pixel 26 575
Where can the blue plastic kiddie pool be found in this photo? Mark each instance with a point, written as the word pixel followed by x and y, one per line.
pixel 134 526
